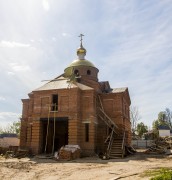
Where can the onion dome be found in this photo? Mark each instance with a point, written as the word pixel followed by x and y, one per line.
pixel 81 52
pixel 80 61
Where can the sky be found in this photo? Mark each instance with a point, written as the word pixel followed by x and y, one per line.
pixel 130 42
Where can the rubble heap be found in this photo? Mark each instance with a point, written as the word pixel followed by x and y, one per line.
pixel 161 145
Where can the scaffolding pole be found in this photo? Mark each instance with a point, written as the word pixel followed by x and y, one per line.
pixel 54 127
pixel 47 129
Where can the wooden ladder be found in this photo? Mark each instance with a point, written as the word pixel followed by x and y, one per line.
pixel 103 116
pixel 111 124
pixel 118 147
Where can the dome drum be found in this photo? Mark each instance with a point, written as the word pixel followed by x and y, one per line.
pixel 82 67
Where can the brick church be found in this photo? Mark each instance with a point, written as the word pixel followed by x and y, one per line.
pixel 76 108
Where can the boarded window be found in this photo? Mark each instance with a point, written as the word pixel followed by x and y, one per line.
pixel 64 103
pixel 86 104
pixel 44 104
pixel 108 105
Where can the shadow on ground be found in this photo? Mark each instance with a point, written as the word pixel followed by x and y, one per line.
pixel 138 156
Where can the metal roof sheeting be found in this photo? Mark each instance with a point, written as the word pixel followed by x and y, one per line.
pixel 163 127
pixel 119 90
pixel 8 135
pixel 62 83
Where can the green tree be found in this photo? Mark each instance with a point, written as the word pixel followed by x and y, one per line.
pixel 168 117
pixel 141 129
pixel 164 118
pixel 160 121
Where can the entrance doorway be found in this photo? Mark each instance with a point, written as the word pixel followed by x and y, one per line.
pixel 54 138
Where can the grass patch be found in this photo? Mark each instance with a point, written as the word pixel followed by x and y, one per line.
pixel 159 174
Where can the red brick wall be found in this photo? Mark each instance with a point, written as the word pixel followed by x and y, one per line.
pixel 80 107
pixel 116 106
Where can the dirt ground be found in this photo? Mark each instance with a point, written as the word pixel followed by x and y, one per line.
pixel 90 168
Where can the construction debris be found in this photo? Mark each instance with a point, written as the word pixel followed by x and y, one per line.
pixel 3 150
pixel 6 150
pixel 21 153
pixel 69 152
pixel 18 154
pixel 129 150
pixel 161 145
pixel 9 154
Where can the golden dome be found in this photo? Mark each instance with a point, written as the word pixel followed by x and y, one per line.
pixel 81 61
pixel 81 50
pixel 76 63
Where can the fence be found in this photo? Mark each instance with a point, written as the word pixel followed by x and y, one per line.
pixel 141 143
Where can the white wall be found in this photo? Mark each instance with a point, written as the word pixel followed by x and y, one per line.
pixel 163 133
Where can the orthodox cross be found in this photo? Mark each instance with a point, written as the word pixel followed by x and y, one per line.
pixel 81 35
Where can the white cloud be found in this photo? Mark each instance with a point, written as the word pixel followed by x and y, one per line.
pixel 46 5
pixel 54 39
pixel 40 40
pixel 8 117
pixel 10 73
pixel 16 67
pixel 2 98
pixel 132 50
pixel 12 44
pixel 66 34
pixel 3 115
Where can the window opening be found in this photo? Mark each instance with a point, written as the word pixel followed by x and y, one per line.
pixel 26 134
pixel 88 72
pixel 31 133
pixel 76 72
pixel 86 132
pixel 54 102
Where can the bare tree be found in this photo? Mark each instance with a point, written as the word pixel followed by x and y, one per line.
pixel 135 117
pixel 1 130
pixel 11 128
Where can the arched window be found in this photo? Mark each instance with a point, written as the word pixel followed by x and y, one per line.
pixel 88 72
pixel 76 72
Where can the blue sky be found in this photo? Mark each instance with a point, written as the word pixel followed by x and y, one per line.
pixel 130 42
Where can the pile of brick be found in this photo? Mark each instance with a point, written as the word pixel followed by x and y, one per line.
pixel 160 146
pixel 69 152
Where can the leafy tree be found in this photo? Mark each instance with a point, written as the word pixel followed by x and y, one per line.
pixel 168 117
pixel 159 121
pixel 135 117
pixel 164 118
pixel 141 129
pixel 155 125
